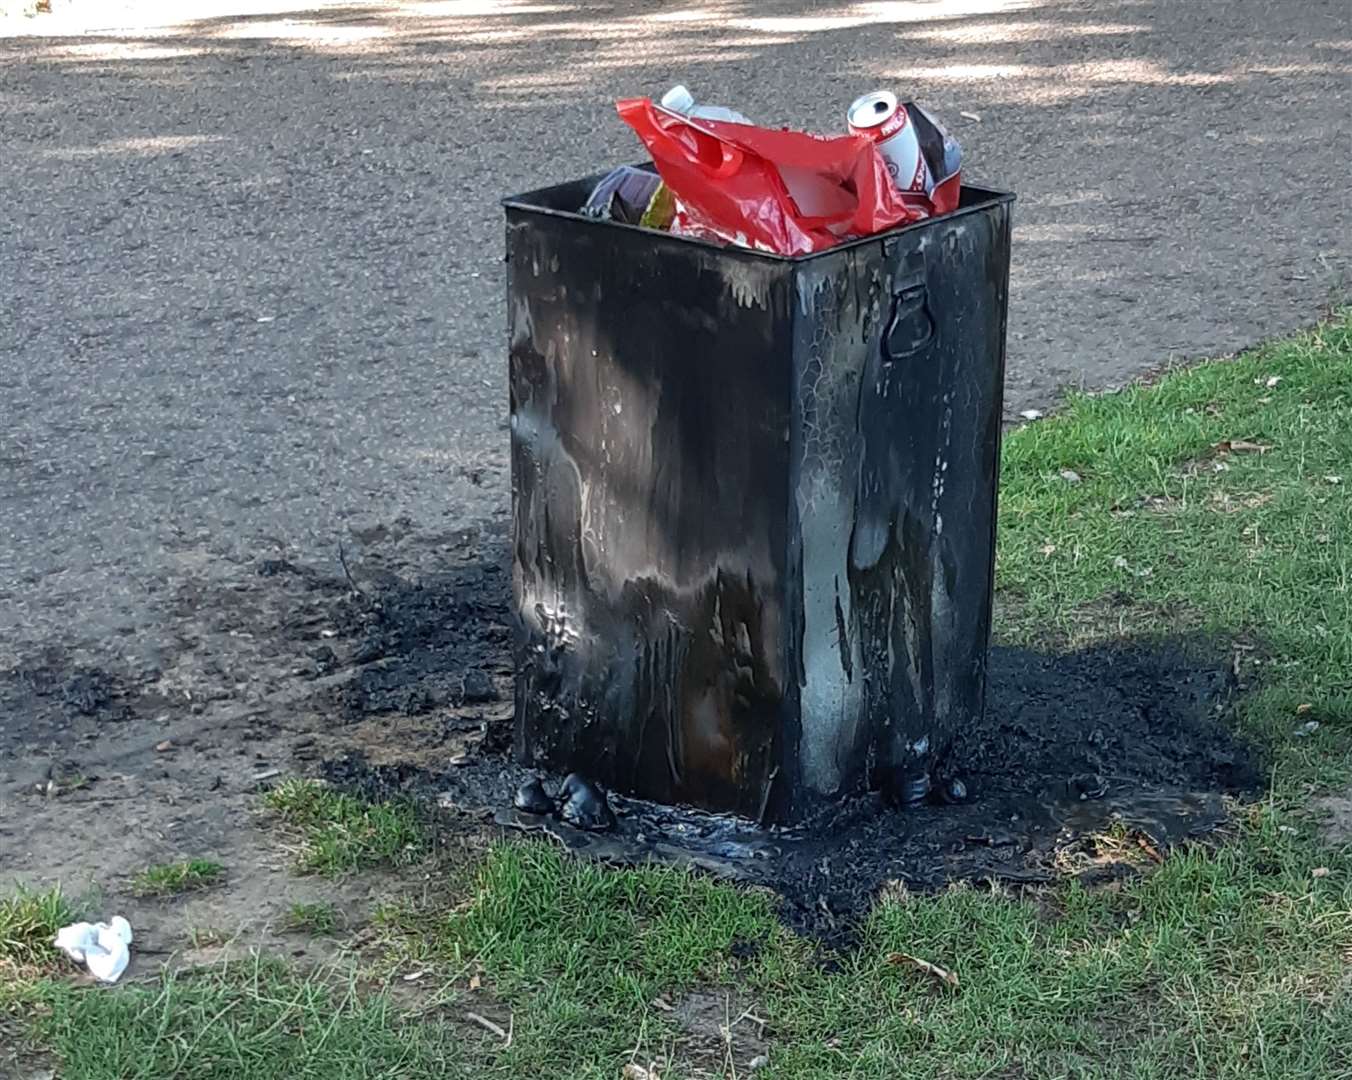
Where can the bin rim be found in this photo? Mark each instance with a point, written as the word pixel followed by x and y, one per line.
pixel 988 197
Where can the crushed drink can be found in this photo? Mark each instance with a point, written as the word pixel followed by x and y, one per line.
pixel 884 119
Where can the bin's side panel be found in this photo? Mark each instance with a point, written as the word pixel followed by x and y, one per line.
pixel 837 306
pixel 649 383
pixel 900 394
pixel 923 549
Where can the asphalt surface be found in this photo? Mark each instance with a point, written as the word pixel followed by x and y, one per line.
pixel 251 290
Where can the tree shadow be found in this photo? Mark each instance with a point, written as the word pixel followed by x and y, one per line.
pixel 1137 135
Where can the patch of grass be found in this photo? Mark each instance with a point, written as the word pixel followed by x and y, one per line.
pixel 1223 963
pixel 581 952
pixel 28 923
pixel 318 918
pixel 172 879
pixel 253 1018
pixel 1217 962
pixel 340 833
pixel 1168 527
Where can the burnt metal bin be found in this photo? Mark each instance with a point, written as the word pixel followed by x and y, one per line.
pixel 753 503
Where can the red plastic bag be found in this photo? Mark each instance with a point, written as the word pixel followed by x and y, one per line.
pixel 783 191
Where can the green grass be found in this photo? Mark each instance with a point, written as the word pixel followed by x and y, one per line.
pixel 317 918
pixel 172 879
pixel 1163 531
pixel 251 1020
pixel 340 833
pixel 28 923
pixel 1229 961
pixel 1226 963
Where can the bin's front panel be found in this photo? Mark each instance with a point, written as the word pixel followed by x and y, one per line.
pixel 900 370
pixel 650 423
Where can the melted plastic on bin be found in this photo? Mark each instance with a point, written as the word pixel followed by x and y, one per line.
pixel 753 506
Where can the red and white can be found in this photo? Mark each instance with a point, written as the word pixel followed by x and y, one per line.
pixel 884 119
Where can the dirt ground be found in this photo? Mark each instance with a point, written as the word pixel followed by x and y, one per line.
pixel 253 310
pixel 394 675
pixel 107 768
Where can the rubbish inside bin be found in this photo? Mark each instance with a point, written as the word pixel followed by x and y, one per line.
pixel 920 154
pixel 790 192
pixel 624 194
pixel 679 99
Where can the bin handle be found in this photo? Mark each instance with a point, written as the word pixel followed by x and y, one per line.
pixel 911 328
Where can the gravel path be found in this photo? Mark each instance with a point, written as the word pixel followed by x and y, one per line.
pixel 251 263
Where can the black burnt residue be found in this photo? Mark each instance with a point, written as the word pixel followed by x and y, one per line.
pixel 1128 735
pixel 428 643
pixel 1131 715
pixel 52 684
pixel 753 505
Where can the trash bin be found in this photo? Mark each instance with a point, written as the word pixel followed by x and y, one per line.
pixel 753 503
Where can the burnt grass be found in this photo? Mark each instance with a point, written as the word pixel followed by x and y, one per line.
pixel 73 691
pixel 1130 739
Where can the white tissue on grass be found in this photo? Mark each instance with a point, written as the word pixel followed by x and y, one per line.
pixel 101 947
